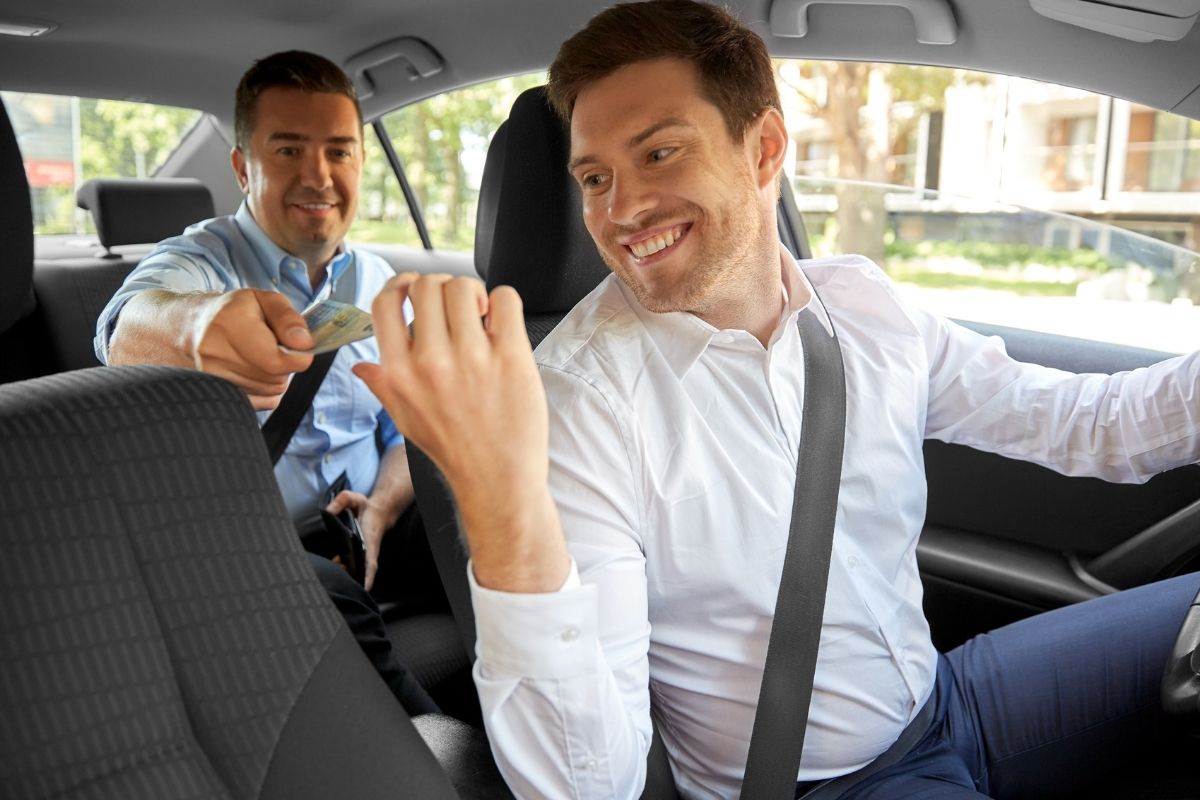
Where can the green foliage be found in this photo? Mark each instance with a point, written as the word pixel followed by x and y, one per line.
pixel 129 140
pixel 442 143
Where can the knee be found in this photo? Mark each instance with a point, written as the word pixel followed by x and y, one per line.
pixel 338 584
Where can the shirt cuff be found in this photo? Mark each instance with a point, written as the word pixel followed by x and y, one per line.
pixel 548 636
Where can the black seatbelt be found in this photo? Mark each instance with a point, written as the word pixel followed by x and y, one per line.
pixel 777 739
pixel 282 424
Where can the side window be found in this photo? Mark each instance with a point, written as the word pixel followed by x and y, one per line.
pixel 64 141
pixel 442 143
pixel 1003 200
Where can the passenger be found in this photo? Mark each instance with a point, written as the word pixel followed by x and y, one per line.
pixel 223 297
pixel 626 545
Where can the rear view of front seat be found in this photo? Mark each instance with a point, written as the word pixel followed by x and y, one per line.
pixel 19 358
pixel 162 634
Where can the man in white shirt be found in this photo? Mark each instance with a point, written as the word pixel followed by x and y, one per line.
pixel 627 545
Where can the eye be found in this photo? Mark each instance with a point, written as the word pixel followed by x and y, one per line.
pixel 287 151
pixel 659 153
pixel 593 181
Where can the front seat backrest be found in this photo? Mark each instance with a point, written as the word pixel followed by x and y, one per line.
pixel 18 359
pixel 162 633
pixel 143 211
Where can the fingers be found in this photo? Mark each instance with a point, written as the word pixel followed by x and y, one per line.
pixel 465 302
pixel 284 321
pixel 372 551
pixel 506 318
pixel 429 311
pixel 387 314
pixel 346 498
pixel 235 340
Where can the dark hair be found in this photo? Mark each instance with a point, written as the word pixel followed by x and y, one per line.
pixel 732 61
pixel 292 69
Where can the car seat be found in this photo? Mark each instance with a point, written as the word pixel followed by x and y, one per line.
pixel 161 630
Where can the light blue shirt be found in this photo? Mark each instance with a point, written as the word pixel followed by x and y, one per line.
pixel 339 432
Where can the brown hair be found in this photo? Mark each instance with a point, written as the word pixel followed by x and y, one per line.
pixel 292 69
pixel 732 61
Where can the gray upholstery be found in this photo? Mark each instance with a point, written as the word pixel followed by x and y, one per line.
pixel 16 229
pixel 71 294
pixel 161 632
pixel 554 269
pixel 132 211
pixel 21 351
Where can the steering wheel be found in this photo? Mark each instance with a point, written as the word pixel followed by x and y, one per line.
pixel 1181 679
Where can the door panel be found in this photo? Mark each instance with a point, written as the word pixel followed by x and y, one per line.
pixel 1004 539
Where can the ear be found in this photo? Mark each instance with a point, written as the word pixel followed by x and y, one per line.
pixel 238 161
pixel 772 136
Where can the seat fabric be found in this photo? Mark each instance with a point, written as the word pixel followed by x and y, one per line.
pixel 161 632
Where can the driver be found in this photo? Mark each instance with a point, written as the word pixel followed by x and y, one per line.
pixel 626 499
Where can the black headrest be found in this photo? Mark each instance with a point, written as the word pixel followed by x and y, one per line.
pixel 16 229
pixel 529 231
pixel 133 211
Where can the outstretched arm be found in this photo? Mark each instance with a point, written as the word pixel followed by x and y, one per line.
pixel 235 335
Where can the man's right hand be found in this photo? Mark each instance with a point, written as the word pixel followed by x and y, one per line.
pixel 464 387
pixel 235 335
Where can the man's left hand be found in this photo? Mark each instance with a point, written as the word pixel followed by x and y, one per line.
pixel 374 519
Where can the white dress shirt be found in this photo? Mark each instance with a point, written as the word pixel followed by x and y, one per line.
pixel 673 450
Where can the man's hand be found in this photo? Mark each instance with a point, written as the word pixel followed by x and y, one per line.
pixel 235 335
pixel 464 386
pixel 372 521
pixel 377 513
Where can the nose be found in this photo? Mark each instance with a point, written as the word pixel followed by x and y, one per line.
pixel 629 196
pixel 315 172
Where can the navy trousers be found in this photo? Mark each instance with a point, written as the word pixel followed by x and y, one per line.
pixel 1048 706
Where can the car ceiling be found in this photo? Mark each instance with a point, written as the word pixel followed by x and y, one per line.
pixel 192 54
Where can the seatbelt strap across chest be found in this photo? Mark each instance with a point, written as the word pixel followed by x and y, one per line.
pixel 282 424
pixel 777 739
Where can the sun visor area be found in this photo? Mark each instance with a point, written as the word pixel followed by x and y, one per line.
pixel 1135 20
pixel 390 63
pixel 934 19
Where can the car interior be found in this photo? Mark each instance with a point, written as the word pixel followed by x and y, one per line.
pixel 136 663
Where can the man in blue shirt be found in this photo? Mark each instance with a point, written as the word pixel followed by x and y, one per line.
pixel 225 296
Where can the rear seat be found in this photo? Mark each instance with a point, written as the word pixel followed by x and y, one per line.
pixel 130 215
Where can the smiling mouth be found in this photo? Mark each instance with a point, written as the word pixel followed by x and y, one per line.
pixel 658 242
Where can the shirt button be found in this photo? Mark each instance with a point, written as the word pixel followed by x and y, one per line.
pixel 328 458
pixel 852 562
pixel 321 418
pixel 725 338
pixel 589 764
pixel 570 634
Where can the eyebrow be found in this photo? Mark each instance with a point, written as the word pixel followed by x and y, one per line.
pixel 636 139
pixel 287 136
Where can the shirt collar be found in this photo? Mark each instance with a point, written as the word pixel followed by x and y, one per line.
pixel 274 258
pixel 682 337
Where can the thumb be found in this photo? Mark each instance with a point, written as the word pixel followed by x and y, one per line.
pixel 284 321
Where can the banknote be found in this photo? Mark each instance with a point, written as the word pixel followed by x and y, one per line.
pixel 335 324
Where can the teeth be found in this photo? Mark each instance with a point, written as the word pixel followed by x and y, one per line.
pixel 315 206
pixel 650 246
